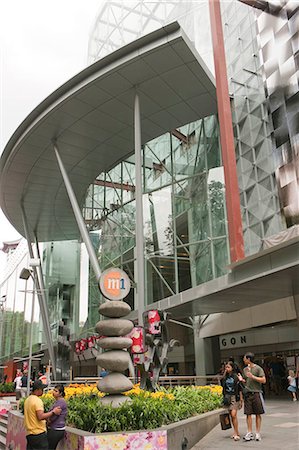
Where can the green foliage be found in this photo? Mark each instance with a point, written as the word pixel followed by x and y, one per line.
pixel 48 402
pixel 83 411
pixel 7 387
pixel 87 413
pixel 21 405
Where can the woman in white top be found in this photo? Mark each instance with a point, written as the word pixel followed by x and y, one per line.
pixel 292 385
pixel 18 386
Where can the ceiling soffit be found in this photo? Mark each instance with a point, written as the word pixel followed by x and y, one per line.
pixel 91 118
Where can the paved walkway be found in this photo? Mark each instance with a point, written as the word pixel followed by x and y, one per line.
pixel 280 429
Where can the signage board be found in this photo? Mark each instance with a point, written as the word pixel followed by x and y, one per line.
pixel 114 284
pixel 263 336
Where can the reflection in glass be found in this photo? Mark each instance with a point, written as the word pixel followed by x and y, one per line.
pixel 185 230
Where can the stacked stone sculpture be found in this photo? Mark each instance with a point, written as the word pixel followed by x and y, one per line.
pixel 115 359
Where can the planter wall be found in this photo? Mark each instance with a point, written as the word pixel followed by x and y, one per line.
pixel 170 437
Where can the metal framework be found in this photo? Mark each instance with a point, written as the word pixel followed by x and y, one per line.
pixel 116 227
pixel 119 23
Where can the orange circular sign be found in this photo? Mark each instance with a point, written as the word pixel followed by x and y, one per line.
pixel 114 284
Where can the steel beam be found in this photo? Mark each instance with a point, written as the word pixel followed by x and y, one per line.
pixel 78 216
pixel 235 227
pixel 39 287
pixel 139 267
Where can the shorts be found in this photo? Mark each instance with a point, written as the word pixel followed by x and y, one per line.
pixel 18 394
pixel 234 404
pixel 253 404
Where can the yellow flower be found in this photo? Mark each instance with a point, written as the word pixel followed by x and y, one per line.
pixel 91 389
pixel 214 388
pixel 77 389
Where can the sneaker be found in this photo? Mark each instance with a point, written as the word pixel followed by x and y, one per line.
pixel 258 437
pixel 294 399
pixel 248 437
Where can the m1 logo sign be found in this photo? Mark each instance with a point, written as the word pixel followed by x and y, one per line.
pixel 114 284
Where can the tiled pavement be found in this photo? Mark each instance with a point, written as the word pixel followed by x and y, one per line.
pixel 280 429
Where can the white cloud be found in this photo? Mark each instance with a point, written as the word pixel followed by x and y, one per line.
pixel 43 44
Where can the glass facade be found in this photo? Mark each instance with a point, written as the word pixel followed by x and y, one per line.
pixel 119 23
pixel 252 127
pixel 16 312
pixel 61 264
pixel 20 303
pixel 265 144
pixel 185 233
pixel 61 267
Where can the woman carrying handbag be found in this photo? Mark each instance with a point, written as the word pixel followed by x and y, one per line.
pixel 232 395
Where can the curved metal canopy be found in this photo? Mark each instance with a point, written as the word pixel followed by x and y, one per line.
pixel 91 117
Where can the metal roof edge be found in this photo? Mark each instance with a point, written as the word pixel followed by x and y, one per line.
pixel 79 77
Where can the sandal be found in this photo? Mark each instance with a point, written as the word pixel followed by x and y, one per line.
pixel 236 438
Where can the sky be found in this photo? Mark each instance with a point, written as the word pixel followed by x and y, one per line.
pixel 43 44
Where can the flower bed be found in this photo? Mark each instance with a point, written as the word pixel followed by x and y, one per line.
pixel 184 434
pixel 148 410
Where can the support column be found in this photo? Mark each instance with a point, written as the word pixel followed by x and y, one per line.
pixel 78 216
pixel 39 286
pixel 296 304
pixel 206 351
pixel 235 228
pixel 31 337
pixel 139 275
pixel 199 351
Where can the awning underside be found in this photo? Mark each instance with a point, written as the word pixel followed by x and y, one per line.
pixel 91 116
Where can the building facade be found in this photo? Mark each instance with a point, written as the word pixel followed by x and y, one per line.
pixel 232 305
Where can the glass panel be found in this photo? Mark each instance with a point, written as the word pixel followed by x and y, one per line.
pixel 220 256
pixel 161 219
pixel 217 201
pixel 160 278
pixel 201 262
pixel 157 163
pixel 183 209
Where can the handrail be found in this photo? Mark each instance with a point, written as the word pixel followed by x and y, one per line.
pixel 180 380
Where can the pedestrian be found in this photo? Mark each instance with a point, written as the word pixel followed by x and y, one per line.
pixel 232 395
pixel 18 386
pixel 35 419
pixel 43 378
pixel 103 372
pixel 253 377
pixel 56 424
pixel 24 382
pixel 277 373
pixel 292 385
